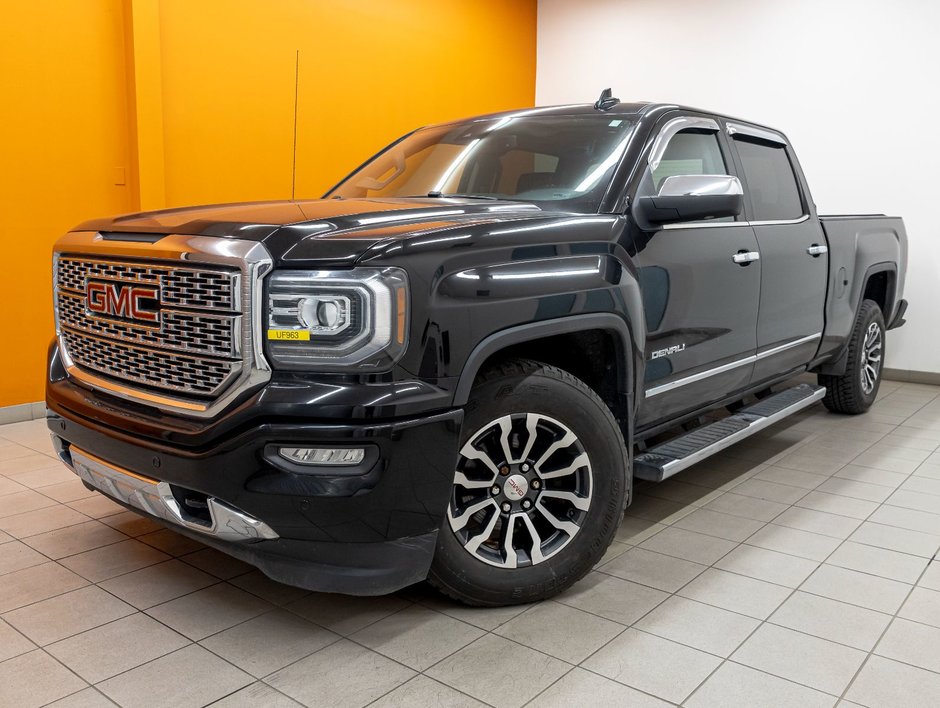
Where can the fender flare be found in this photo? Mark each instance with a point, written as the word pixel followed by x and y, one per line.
pixel 529 331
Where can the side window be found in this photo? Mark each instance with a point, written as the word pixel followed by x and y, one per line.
pixel 771 183
pixel 690 152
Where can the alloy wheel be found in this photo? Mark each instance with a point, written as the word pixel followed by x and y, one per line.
pixel 522 490
pixel 871 358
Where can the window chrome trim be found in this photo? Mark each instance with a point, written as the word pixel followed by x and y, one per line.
pixel 663 388
pixel 720 224
pixel 770 136
pixel 674 126
pixel 251 258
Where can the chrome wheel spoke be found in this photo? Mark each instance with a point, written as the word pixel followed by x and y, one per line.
pixel 579 462
pixel 458 522
pixel 580 503
pixel 535 553
pixel 510 557
pixel 505 426
pixel 474 543
pixel 471 453
pixel 531 426
pixel 569 527
pixel 566 441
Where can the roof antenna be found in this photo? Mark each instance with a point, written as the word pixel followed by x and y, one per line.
pixel 606 101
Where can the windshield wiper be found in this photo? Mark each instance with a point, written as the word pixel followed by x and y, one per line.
pixel 441 195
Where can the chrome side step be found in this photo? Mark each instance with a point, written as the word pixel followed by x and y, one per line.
pixel 671 457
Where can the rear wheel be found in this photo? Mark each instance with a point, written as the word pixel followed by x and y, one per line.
pixel 538 490
pixel 856 389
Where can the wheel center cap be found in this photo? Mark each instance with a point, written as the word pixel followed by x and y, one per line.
pixel 516 487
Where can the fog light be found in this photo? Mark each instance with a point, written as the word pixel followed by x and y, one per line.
pixel 323 455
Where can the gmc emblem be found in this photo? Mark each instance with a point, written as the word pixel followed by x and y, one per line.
pixel 122 300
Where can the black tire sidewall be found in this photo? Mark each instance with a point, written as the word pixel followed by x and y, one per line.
pixel 540 391
pixel 871 314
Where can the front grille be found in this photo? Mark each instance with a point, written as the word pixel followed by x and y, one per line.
pixel 194 346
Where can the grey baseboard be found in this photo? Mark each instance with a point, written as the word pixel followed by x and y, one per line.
pixel 923 377
pixel 22 412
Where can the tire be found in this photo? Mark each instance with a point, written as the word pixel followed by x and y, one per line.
pixel 541 457
pixel 854 391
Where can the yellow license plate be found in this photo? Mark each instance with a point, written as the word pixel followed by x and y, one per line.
pixel 293 335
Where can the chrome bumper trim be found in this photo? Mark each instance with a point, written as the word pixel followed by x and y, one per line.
pixel 156 498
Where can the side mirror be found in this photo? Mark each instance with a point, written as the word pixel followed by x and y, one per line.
pixel 690 198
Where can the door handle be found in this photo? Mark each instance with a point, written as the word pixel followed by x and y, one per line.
pixel 743 257
pixel 816 250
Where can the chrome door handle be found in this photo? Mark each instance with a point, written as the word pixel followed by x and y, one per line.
pixel 816 250
pixel 744 258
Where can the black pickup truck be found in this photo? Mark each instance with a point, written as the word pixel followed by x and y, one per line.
pixel 453 365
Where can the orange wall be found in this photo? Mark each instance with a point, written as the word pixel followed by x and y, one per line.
pixel 196 101
pixel 63 135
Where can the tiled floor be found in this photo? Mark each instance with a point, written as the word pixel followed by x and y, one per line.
pixel 794 569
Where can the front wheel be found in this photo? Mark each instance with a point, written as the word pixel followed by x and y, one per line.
pixel 856 389
pixel 538 491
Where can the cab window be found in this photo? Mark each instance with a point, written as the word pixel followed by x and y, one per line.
pixel 771 183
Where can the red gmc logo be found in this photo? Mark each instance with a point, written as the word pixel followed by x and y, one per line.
pixel 122 300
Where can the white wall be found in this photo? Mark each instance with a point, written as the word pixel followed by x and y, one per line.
pixel 854 84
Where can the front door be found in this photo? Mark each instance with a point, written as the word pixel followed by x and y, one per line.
pixel 700 283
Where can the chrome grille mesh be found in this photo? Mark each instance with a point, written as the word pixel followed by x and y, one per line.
pixel 194 349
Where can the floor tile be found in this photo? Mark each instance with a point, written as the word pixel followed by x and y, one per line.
pixel 878 561
pixel 67 614
pixel 737 686
pixel 653 569
pixel 661 511
pixel 71 490
pixel 931 577
pixel 923 606
pixel 21 502
pixel 897 539
pixel 547 627
pixel 488 671
pixel 747 507
pixel 198 678
pixel 89 697
pixel 116 647
pixel 12 643
pixel 738 593
pixel 345 614
pixel 16 556
pixel 131 523
pixel 158 583
pixel 838 504
pixel 417 637
pixel 799 657
pixel 208 611
pixel 697 625
pixel 41 521
pixel 79 538
pixel 771 491
pixel 24 587
pixel 217 563
pixel 881 682
pixel 770 566
pixel 257 695
pixel 871 475
pixel 579 686
pixel 423 691
pixel 257 583
pixel 713 523
pixel 654 665
pixel 634 530
pixel 912 643
pixel 170 542
pixel 922 521
pixel 342 674
pixel 97 507
pixel 35 679
pixel 833 620
pixel 855 490
pixel 902 497
pixel 110 561
pixel 612 598
pixel 488 618
pixel 804 544
pixel 689 545
pixel 853 587
pixel 269 642
pixel 793 478
pixel 819 522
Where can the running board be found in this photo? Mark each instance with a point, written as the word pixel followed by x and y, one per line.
pixel 684 451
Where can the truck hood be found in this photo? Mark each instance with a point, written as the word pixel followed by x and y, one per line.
pixel 336 231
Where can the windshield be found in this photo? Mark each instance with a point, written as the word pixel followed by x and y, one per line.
pixel 562 162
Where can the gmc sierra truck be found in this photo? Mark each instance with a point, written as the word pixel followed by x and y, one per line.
pixel 451 367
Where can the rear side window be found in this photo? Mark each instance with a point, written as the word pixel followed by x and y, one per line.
pixel 771 183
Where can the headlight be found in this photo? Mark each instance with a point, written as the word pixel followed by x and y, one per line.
pixel 333 320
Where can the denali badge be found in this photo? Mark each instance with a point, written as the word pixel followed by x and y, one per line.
pixel 123 300
pixel 674 349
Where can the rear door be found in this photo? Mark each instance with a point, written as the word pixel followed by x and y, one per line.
pixel 700 300
pixel 793 251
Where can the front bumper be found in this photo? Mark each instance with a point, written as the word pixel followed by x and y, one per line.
pixel 369 531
